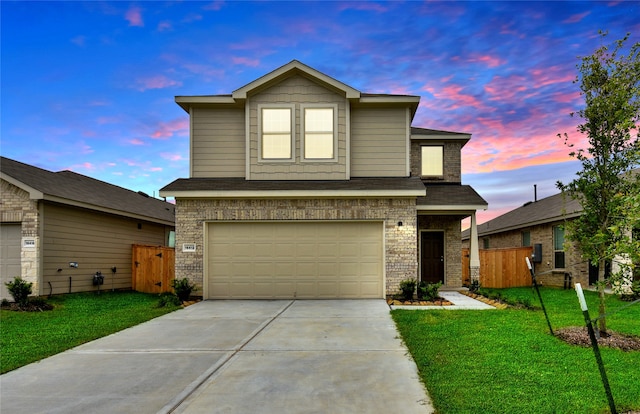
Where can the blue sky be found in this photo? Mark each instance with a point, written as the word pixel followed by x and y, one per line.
pixel 90 86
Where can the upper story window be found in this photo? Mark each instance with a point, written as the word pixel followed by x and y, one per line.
pixel 432 159
pixel 319 133
pixel 558 247
pixel 276 136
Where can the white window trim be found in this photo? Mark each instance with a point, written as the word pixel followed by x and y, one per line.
pixel 291 107
pixel 303 107
pixel 437 176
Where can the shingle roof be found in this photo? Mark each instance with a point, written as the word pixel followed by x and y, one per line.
pixel 240 184
pixel 451 195
pixel 547 210
pixel 76 188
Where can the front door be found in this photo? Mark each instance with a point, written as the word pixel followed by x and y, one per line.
pixel 432 256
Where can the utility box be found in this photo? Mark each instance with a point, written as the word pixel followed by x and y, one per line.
pixel 536 256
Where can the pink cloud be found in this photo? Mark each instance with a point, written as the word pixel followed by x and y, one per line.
pixel 85 166
pixel 155 169
pixel 551 75
pixel 171 156
pixel 164 26
pixel 245 61
pixel 79 40
pixel 134 16
pixel 505 89
pixel 363 6
pixel 136 141
pixel 491 61
pixel 156 82
pixel 102 120
pixel 454 94
pixel 576 17
pixel 208 73
pixel 179 126
pixel 214 6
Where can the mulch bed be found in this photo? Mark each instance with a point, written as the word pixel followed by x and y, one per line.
pixel 29 307
pixel 579 336
pixel 415 302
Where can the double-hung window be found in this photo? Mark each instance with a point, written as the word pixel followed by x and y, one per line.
pixel 432 161
pixel 558 247
pixel 319 133
pixel 276 136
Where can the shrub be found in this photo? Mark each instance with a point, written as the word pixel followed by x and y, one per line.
pixel 474 286
pixel 429 291
pixel 168 300
pixel 407 287
pixel 183 288
pixel 20 290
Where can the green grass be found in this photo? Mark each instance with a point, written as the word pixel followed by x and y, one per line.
pixel 506 361
pixel 77 318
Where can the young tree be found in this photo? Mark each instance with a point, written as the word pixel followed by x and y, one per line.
pixel 610 84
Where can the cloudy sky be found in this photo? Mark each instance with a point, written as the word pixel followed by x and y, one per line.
pixel 90 86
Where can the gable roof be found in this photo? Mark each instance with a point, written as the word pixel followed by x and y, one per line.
pixel 296 67
pixel 67 187
pixel 555 208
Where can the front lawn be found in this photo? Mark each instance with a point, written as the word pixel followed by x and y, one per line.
pixel 77 318
pixel 506 361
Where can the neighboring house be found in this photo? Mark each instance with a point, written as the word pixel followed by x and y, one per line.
pixel 542 222
pixel 59 228
pixel 303 187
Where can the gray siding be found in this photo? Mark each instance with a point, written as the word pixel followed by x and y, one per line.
pixel 379 142
pixel 298 90
pixel 97 242
pixel 217 142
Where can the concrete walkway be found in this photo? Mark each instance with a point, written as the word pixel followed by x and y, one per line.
pixel 342 356
pixel 458 300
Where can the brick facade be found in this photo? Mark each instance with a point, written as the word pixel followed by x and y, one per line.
pixel 17 207
pixel 452 151
pixel 401 256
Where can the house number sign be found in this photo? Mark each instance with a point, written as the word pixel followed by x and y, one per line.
pixel 189 247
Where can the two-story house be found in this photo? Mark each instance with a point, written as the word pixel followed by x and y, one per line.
pixel 303 187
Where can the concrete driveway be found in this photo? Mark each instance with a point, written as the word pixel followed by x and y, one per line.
pixel 341 356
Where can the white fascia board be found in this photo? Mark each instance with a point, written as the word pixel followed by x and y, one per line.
pixel 93 207
pixel 34 194
pixel 468 207
pixel 407 99
pixel 294 194
pixel 186 102
pixel 455 137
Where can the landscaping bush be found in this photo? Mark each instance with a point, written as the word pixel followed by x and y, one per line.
pixel 20 290
pixel 407 287
pixel 428 291
pixel 169 300
pixel 183 288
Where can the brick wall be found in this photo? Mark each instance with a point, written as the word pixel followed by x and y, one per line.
pixel 16 207
pixel 400 242
pixel 451 162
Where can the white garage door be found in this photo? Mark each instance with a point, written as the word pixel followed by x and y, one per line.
pixel 281 260
pixel 10 236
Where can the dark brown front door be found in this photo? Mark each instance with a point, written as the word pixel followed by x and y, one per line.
pixel 432 256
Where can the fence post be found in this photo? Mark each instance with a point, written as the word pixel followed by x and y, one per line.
pixel 594 345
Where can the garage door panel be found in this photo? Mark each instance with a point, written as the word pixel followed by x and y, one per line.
pixel 295 259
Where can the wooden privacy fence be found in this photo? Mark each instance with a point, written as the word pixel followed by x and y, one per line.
pixel 500 268
pixel 153 268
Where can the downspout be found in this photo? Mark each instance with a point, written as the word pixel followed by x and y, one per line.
pixel 474 253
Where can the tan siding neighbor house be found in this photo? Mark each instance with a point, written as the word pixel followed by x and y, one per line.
pixel 334 199
pixel 54 220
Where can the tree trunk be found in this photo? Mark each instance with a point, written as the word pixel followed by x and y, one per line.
pixel 602 322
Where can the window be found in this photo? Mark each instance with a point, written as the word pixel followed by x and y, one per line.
pixel 319 133
pixel 432 161
pixel 526 238
pixel 558 247
pixel 485 243
pixel 276 133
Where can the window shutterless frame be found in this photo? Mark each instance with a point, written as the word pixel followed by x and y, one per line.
pixel 276 129
pixel 432 161
pixel 319 125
